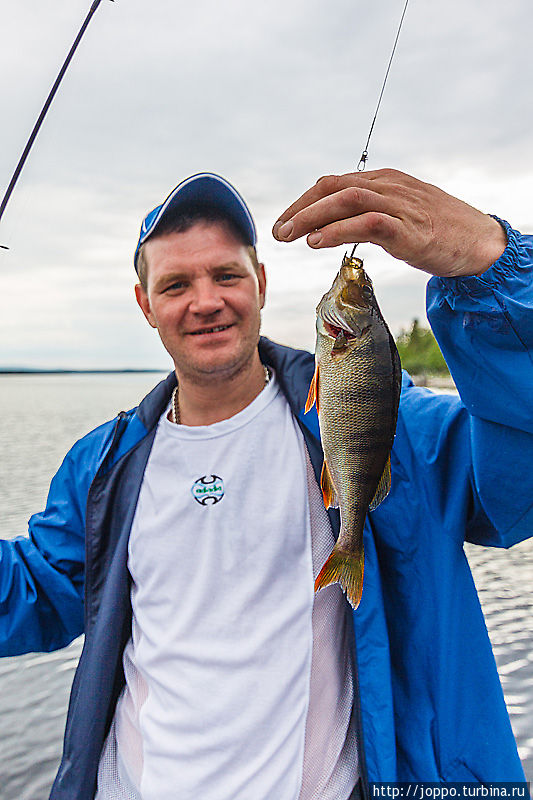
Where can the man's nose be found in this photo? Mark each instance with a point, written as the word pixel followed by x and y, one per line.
pixel 206 299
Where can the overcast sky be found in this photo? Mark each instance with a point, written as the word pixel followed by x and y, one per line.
pixel 270 95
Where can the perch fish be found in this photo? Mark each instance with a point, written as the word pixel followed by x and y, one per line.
pixel 356 389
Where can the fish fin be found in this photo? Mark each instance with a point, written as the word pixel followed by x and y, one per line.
pixel 312 397
pixel 328 490
pixel 383 487
pixel 346 569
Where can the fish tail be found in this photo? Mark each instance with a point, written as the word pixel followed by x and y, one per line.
pixel 346 569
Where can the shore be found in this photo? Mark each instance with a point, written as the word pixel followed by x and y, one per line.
pixel 444 382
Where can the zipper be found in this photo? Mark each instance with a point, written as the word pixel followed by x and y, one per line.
pixel 117 433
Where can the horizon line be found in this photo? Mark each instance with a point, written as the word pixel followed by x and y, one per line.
pixel 68 371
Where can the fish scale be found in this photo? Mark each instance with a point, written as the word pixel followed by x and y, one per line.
pixel 356 388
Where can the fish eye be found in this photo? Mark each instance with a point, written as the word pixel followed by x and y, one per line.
pixel 367 292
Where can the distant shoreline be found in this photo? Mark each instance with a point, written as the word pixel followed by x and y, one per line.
pixel 431 381
pixel 434 381
pixel 24 371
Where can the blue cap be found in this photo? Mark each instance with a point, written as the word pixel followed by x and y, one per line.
pixel 208 189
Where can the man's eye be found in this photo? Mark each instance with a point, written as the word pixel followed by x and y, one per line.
pixel 227 276
pixel 175 286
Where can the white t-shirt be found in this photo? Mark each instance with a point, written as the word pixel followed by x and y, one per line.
pixel 239 684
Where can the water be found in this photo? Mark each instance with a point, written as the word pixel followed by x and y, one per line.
pixel 40 417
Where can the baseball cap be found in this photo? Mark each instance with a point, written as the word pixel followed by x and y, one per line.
pixel 204 188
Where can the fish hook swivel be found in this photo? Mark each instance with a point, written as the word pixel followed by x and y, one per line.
pixel 364 155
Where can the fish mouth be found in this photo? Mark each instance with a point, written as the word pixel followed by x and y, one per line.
pixel 334 330
pixel 334 324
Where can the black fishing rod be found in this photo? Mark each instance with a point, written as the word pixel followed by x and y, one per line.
pixel 44 111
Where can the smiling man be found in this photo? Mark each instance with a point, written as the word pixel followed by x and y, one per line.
pixel 184 537
pixel 204 292
pixel 234 725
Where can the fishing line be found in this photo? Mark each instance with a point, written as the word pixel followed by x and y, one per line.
pixel 44 111
pixel 364 154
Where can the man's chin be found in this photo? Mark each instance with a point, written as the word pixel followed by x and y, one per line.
pixel 214 368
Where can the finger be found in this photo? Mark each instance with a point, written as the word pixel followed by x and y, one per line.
pixel 377 180
pixel 327 185
pixel 380 229
pixel 346 203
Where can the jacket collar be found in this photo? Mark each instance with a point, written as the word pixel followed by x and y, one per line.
pixel 150 409
pixel 293 371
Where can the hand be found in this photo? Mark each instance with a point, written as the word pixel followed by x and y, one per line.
pixel 413 221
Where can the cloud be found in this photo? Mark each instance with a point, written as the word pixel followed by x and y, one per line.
pixel 270 95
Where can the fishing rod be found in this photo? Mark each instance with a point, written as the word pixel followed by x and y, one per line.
pixel 44 110
pixel 364 155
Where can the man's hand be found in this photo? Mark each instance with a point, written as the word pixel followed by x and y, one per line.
pixel 413 221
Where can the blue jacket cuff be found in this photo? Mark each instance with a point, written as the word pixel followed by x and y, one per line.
pixel 517 254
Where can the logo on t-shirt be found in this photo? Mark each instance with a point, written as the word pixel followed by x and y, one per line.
pixel 208 490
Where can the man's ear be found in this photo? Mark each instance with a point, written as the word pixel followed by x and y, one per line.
pixel 144 304
pixel 261 277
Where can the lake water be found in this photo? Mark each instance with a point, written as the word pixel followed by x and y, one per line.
pixel 40 417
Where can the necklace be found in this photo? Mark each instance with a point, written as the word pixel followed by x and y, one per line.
pixel 174 402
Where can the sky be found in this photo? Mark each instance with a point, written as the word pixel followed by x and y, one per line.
pixel 270 95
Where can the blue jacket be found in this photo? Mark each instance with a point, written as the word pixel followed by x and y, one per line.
pixel 430 698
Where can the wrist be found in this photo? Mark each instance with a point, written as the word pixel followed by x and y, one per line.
pixel 490 247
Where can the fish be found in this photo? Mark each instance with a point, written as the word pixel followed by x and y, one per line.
pixel 356 391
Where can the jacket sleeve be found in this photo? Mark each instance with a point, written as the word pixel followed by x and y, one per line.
pixel 42 575
pixel 484 326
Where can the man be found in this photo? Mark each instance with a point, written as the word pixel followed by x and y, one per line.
pixel 193 526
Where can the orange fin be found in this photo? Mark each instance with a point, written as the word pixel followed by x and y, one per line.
pixel 346 569
pixel 328 490
pixel 312 397
pixel 383 487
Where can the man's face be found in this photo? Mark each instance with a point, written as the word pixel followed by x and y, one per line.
pixel 204 296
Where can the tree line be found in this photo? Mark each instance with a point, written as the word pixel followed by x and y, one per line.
pixel 419 352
